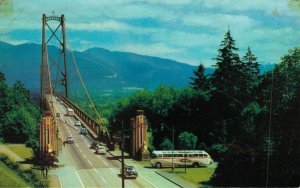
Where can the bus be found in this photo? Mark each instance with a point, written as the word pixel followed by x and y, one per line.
pixel 181 158
pixel 70 112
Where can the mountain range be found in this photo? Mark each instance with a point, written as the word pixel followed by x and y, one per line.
pixel 100 68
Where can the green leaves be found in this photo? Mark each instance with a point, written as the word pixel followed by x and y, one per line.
pixel 19 119
pixel 187 140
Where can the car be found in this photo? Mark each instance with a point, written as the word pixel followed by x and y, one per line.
pixel 83 131
pixel 94 144
pixel 129 172
pixel 100 150
pixel 70 139
pixel 77 123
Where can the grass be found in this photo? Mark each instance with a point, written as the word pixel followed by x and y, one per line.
pixel 21 150
pixel 9 178
pixel 196 176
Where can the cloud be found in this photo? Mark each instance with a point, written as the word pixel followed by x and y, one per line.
pixel 155 49
pixel 218 21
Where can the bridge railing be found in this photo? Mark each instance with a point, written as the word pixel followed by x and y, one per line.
pixel 96 129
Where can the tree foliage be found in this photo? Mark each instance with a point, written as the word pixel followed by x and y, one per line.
pixel 19 117
pixel 248 122
pixel 187 140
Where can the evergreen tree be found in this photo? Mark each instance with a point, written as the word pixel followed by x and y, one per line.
pixel 199 82
pixel 228 66
pixel 250 77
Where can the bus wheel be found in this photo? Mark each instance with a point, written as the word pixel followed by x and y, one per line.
pixel 196 165
pixel 158 165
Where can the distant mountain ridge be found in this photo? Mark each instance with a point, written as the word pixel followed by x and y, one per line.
pixel 100 68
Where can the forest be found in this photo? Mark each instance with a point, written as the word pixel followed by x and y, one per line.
pixel 19 114
pixel 247 121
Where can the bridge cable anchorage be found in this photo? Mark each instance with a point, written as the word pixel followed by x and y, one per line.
pixel 85 89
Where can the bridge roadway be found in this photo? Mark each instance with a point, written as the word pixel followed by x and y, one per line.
pixel 81 167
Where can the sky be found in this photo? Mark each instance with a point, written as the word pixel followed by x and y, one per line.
pixel 188 31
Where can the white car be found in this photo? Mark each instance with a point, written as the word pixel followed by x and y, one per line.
pixel 70 139
pixel 77 123
pixel 101 150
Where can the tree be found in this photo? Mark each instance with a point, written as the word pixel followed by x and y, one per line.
pixel 199 82
pixel 250 77
pixel 45 160
pixel 166 144
pixel 187 140
pixel 227 71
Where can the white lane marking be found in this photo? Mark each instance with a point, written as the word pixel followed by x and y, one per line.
pixel 84 156
pixel 112 169
pixel 147 180
pixel 100 176
pixel 90 163
pixel 79 179
pixel 76 145
pixel 60 182
pixel 80 150
pixel 105 163
pixel 103 179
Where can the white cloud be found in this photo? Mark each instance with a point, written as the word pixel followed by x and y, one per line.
pixel 155 49
pixel 218 21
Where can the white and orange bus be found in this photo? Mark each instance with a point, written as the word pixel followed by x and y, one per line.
pixel 181 158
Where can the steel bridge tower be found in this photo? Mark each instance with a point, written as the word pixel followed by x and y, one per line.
pixel 45 72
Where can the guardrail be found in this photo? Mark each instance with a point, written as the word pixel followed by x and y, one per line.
pixel 96 128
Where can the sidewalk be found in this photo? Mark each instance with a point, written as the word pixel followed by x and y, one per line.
pixel 170 177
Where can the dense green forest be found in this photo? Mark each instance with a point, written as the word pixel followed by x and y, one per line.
pixel 248 122
pixel 19 115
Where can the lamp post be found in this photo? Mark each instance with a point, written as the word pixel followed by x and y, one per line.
pixel 172 143
pixel 122 152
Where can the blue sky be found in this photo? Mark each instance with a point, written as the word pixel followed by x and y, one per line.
pixel 189 31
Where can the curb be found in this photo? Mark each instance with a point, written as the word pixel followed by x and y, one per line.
pixel 181 183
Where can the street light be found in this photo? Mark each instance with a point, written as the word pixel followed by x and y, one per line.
pixel 162 127
pixel 122 152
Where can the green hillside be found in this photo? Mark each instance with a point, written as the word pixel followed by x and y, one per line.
pixel 9 178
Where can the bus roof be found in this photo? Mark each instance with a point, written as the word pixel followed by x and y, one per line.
pixel 179 152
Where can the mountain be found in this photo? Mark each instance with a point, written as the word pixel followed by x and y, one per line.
pixel 101 69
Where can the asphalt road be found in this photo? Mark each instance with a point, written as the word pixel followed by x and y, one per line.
pixel 83 168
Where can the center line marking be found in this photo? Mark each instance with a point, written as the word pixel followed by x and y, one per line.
pixel 84 156
pixel 105 163
pixel 79 179
pixel 103 179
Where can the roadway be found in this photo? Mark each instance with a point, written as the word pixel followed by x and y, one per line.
pixel 81 167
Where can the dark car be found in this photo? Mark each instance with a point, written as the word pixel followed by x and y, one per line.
pixel 83 131
pixel 129 172
pixel 95 144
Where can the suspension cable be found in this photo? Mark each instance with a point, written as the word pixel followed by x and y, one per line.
pixel 84 87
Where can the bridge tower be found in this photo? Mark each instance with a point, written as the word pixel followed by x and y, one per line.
pixel 45 69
